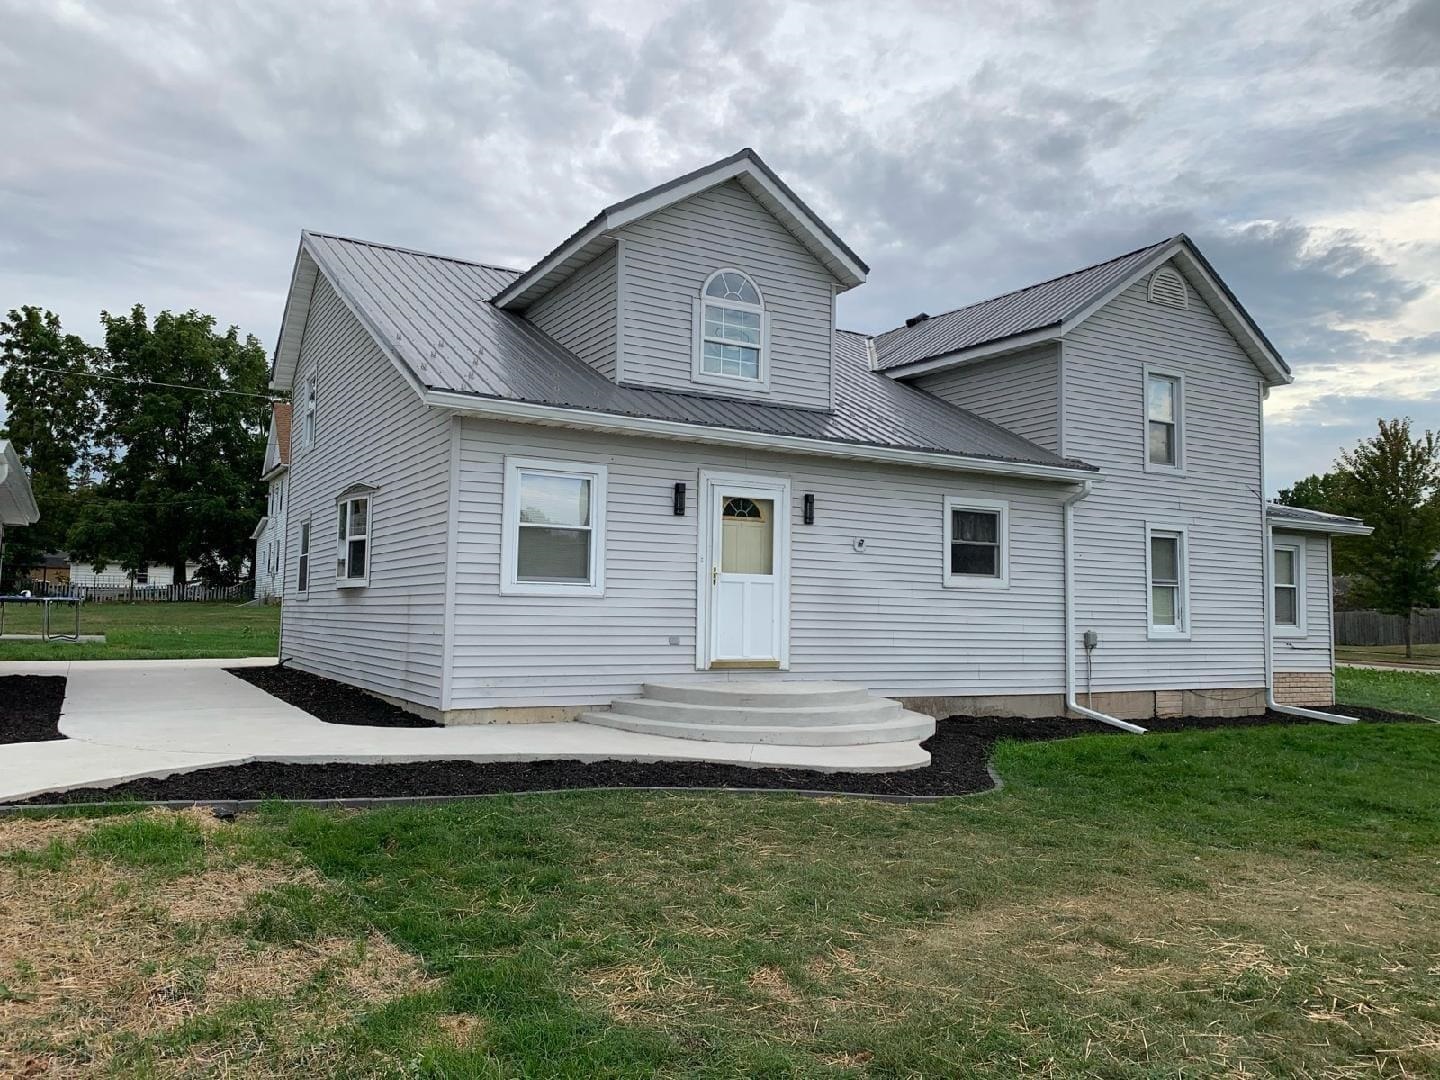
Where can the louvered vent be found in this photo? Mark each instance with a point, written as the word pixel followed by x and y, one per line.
pixel 1168 287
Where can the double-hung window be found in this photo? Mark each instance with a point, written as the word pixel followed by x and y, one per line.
pixel 976 543
pixel 352 553
pixel 307 418
pixel 730 323
pixel 1164 421
pixel 554 522
pixel 1288 566
pixel 1169 602
pixel 302 562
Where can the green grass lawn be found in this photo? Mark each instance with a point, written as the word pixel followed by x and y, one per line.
pixel 1417 693
pixel 1257 902
pixel 1425 655
pixel 149 631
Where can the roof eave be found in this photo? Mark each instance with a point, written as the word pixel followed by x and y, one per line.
pixel 746 168
pixel 593 420
pixel 297 310
pixel 1339 527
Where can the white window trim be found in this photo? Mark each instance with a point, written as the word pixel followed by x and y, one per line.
pixel 305 551
pixel 1178 469
pixel 735 382
pixel 309 411
pixel 975 581
pixel 1182 631
pixel 510 584
pixel 342 547
pixel 1283 630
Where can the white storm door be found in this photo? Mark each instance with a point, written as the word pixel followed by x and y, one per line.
pixel 748 573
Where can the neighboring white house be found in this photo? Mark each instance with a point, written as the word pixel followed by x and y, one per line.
pixel 516 495
pixel 115 576
pixel 269 534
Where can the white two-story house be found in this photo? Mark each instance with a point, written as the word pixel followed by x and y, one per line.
pixel 269 534
pixel 519 495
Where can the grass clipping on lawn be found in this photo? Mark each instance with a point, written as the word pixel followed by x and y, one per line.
pixel 96 957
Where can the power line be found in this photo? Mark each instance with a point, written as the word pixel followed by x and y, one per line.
pixel 149 382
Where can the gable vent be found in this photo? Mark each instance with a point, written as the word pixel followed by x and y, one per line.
pixel 1168 287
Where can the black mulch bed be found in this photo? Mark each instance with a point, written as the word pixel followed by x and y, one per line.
pixel 327 700
pixel 959 751
pixel 30 707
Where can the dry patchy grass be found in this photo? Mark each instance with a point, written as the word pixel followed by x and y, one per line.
pixel 98 957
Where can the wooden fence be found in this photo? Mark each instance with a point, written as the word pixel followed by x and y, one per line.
pixel 137 594
pixel 1375 628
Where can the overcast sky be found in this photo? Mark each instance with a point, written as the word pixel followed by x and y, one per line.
pixel 170 153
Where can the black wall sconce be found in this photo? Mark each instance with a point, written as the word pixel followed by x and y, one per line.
pixel 809 510
pixel 680 500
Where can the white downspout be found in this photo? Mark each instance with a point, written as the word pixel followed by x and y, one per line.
pixel 1267 575
pixel 1267 561
pixel 1068 542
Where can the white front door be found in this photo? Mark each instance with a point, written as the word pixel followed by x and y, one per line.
pixel 745 575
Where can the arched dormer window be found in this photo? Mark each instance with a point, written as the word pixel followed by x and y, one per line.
pixel 730 330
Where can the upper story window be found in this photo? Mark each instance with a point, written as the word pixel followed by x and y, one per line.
pixel 731 338
pixel 307 418
pixel 1164 420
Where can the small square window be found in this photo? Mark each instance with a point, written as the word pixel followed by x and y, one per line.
pixel 554 528
pixel 976 543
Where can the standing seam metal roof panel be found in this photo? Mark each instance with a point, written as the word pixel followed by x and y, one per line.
pixel 436 314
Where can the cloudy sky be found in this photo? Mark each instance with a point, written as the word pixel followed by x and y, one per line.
pixel 170 153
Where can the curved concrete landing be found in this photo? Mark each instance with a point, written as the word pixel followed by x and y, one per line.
pixel 775 713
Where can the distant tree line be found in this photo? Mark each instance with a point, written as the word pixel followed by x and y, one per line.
pixel 1392 480
pixel 144 450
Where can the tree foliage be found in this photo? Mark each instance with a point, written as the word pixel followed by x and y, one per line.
pixel 1392 480
pixel 181 466
pixel 51 415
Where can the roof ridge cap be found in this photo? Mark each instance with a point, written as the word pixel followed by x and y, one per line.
pixel 1038 284
pixel 410 251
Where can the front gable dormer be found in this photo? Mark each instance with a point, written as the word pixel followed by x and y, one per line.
pixel 720 283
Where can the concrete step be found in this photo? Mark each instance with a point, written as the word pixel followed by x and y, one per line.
pixel 904 727
pixel 758 693
pixel 871 710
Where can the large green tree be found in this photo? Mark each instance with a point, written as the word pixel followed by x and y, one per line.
pixel 1392 480
pixel 182 465
pixel 51 413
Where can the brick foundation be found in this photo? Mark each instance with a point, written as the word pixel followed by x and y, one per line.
pixel 1304 688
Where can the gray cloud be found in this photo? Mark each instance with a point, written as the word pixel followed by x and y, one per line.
pixel 171 154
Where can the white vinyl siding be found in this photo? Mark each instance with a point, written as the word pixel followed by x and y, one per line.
pixel 880 616
pixel 1019 392
pixel 1216 500
pixel 1309 651
pixel 580 314
pixel 376 433
pixel 668 257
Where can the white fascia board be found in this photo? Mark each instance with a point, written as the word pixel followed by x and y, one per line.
pixel 556 416
pixel 1335 528
pixel 965 357
pixel 1259 352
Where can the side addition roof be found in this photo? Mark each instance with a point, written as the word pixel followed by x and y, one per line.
pixel 1301 520
pixel 1045 311
pixel 277 445
pixel 434 317
pixel 746 168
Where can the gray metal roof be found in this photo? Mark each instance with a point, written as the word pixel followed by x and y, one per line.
pixel 1035 307
pixel 435 314
pixel 1313 520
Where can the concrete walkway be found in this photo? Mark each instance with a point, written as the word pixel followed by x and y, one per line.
pixel 1399 665
pixel 126 719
